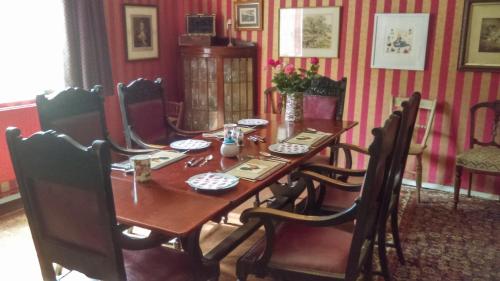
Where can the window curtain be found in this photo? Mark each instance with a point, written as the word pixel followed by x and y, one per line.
pixel 86 56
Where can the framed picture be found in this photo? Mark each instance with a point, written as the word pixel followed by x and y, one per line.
pixel 480 40
pixel 141 31
pixel 400 41
pixel 248 14
pixel 309 32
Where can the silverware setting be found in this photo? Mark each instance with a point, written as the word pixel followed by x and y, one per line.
pixel 256 138
pixel 207 158
pixel 189 163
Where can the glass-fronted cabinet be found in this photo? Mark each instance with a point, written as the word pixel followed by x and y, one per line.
pixel 219 84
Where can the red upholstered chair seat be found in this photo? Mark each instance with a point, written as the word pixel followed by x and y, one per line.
pixel 147 120
pixel 294 244
pixel 320 107
pixel 157 264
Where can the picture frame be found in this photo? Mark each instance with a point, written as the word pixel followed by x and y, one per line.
pixel 480 37
pixel 200 24
pixel 248 14
pixel 309 32
pixel 400 41
pixel 141 32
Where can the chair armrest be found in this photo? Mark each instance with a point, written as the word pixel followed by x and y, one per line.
pixel 357 148
pixel 135 138
pixel 281 216
pixel 332 182
pixel 129 151
pixel 154 239
pixel 324 168
pixel 181 132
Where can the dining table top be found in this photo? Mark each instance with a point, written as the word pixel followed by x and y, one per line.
pixel 167 204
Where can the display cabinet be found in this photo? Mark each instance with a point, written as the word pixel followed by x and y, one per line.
pixel 219 84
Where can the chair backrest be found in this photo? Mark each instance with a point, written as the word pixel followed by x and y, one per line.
pixel 492 126
pixel 372 197
pixel 75 112
pixel 66 191
pixel 408 119
pixel 427 110
pixel 143 109
pixel 325 99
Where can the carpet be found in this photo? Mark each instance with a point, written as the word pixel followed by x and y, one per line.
pixel 439 243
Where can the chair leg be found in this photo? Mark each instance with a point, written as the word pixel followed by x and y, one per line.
pixel 368 266
pixel 419 175
pixel 458 174
pixel 48 272
pixel 382 254
pixel 470 184
pixel 395 235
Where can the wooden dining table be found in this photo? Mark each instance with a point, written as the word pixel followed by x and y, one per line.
pixel 168 205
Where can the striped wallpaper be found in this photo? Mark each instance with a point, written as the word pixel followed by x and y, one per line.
pixel 369 90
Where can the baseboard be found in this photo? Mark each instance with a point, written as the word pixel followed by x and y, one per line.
pixel 10 203
pixel 451 189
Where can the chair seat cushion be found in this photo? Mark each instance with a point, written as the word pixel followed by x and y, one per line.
pixel 158 263
pixel 482 158
pixel 298 247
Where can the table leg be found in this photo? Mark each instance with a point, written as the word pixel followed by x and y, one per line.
pixel 204 269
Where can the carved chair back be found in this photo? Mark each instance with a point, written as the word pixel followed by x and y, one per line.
pixel 491 135
pixel 375 189
pixel 143 109
pixel 66 191
pixel 75 112
pixel 323 100
pixel 427 110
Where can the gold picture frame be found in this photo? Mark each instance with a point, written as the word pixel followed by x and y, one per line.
pixel 141 31
pixel 248 14
pixel 480 39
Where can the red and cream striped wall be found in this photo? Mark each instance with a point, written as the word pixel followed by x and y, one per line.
pixel 369 90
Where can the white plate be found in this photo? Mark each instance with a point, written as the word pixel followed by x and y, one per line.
pixel 190 144
pixel 289 148
pixel 253 122
pixel 212 181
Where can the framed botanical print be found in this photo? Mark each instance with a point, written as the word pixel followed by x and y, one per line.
pixel 309 32
pixel 248 14
pixel 480 40
pixel 400 41
pixel 141 31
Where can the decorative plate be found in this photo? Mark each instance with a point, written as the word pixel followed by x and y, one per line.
pixel 289 148
pixel 253 122
pixel 212 181
pixel 190 144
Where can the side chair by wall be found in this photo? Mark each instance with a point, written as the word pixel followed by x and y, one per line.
pixel 71 212
pixel 419 143
pixel 483 156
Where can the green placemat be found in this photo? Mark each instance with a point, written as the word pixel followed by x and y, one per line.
pixel 255 169
pixel 308 138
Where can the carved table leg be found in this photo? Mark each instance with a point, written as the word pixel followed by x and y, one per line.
pixel 204 269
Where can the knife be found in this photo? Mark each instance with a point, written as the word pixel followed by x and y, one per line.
pixel 196 162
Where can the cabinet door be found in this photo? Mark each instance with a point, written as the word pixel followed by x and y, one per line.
pixel 200 88
pixel 238 89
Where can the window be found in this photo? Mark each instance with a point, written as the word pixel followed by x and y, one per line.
pixel 31 49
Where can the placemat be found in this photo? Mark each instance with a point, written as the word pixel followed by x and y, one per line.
pixel 308 138
pixel 255 169
pixel 220 134
pixel 158 159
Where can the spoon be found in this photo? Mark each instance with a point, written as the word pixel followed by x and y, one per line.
pixel 207 158
pixel 263 153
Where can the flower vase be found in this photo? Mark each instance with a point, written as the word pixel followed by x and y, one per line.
pixel 294 107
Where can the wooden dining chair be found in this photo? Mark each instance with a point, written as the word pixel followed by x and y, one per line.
pixel 335 195
pixel 483 156
pixel 308 247
pixel 67 196
pixel 144 114
pixel 80 114
pixel 175 113
pixel 422 131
